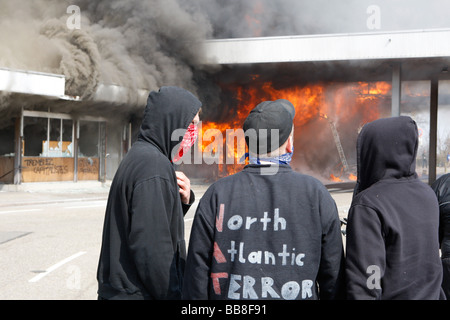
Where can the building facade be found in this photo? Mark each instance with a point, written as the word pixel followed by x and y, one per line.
pixel 47 136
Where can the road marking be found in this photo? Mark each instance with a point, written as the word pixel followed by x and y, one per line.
pixel 56 266
pixel 87 206
pixel 17 211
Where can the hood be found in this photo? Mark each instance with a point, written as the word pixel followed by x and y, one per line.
pixel 386 149
pixel 169 109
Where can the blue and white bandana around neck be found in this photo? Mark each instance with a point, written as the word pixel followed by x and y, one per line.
pixel 282 159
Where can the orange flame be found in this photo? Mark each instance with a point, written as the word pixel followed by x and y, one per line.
pixel 334 178
pixel 337 101
pixel 253 19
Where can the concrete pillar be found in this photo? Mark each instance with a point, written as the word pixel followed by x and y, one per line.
pixel 102 151
pixel 396 89
pixel 75 137
pixel 18 149
pixel 434 97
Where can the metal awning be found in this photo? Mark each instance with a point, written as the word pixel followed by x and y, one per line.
pixel 30 82
pixel 422 44
pixel 52 86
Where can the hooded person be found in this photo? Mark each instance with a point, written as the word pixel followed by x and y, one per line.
pixel 266 232
pixel 442 189
pixel 143 249
pixel 392 248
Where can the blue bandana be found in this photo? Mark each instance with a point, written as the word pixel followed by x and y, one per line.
pixel 282 159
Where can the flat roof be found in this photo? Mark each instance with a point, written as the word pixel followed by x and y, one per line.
pixel 410 44
pixel 51 85
pixel 31 82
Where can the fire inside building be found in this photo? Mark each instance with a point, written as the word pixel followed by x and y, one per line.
pixel 337 83
pixel 47 135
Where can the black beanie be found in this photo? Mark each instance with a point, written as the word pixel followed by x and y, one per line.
pixel 265 117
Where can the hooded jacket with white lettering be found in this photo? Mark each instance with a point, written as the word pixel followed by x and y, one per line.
pixel 392 247
pixel 259 235
pixel 143 249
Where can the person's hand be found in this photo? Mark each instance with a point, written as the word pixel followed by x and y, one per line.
pixel 185 187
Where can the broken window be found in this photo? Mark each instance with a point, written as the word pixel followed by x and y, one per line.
pixel 88 143
pixel 35 131
pixel 48 137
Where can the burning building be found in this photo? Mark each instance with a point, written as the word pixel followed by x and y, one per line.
pixel 71 99
pixel 74 79
pixel 48 136
pixel 337 83
pixel 324 113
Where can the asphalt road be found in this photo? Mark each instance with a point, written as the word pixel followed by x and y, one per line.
pixel 50 244
pixel 49 247
pixel 50 251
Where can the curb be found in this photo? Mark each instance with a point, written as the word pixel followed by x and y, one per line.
pixel 50 201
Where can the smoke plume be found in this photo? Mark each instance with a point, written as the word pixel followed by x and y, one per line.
pixel 141 44
pixel 134 44
pixel 251 18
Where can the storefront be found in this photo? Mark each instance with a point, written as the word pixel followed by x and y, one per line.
pixel 46 136
pixel 56 147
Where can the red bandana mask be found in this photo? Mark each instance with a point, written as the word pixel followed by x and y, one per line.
pixel 188 141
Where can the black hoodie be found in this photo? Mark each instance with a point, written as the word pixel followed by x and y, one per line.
pixel 392 249
pixel 143 249
pixel 442 189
